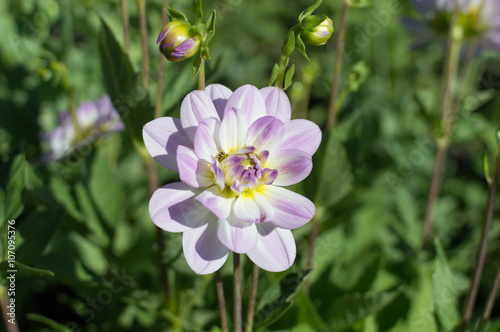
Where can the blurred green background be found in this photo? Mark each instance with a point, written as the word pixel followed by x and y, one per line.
pixel 83 222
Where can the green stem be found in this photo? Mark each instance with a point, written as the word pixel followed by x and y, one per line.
pixel 72 114
pixel 237 292
pixel 490 303
pixel 481 252
pixel 222 302
pixel 281 73
pixel 141 6
pixel 253 298
pixel 126 34
pixel 333 108
pixel 161 74
pixel 201 75
pixel 447 122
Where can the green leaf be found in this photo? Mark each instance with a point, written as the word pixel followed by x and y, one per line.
pixel 445 291
pixel 308 312
pixel 23 270
pixel 88 210
pixel 274 74
pixel 410 229
pixel 278 298
pixel 197 63
pixel 289 44
pixel 351 308
pixel 124 86
pixel 309 10
pixel 331 178
pixel 105 186
pixel 175 15
pixel 198 11
pixel 55 326
pixel 34 234
pixel 299 44
pixel 211 26
pixel 15 187
pixel 62 193
pixel 312 21
pixel 289 77
pixel 475 100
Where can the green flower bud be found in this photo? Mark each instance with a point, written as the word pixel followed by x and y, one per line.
pixel 319 34
pixel 178 40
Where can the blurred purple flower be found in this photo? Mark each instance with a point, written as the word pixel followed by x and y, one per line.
pixel 96 119
pixel 478 18
pixel 235 152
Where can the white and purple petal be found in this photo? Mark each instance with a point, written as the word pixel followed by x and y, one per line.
pixel 195 107
pixel 276 250
pixel 217 201
pixel 237 235
pixel 233 130
pixel 193 171
pixel 219 95
pixel 173 208
pixel 249 100
pixel 265 133
pixel 252 207
pixel 291 210
pixel 293 166
pixel 301 134
pixel 162 137
pixel 277 103
pixel 204 253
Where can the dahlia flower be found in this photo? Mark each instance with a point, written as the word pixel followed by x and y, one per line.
pixel 96 119
pixel 235 152
pixel 478 18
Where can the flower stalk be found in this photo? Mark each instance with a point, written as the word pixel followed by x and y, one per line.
pixel 126 33
pixel 221 300
pixel 490 303
pixel 201 75
pixel 334 107
pixel 253 299
pixel 281 73
pixel 237 292
pixel 161 74
pixel 448 119
pixel 481 252
pixel 141 6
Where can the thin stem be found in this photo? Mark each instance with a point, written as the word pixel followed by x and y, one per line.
pixel 253 298
pixel 437 178
pixel 237 292
pixel 490 303
pixel 152 186
pixel 126 34
pixel 201 75
pixel 333 109
pixel 161 74
pixel 72 114
pixel 281 72
pixel 141 6
pixel 222 302
pixel 5 301
pixel 312 241
pixel 481 252
pixel 447 121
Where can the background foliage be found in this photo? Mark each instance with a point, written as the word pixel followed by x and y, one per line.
pixel 86 248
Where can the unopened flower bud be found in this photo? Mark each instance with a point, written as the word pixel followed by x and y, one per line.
pixel 178 41
pixel 320 34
